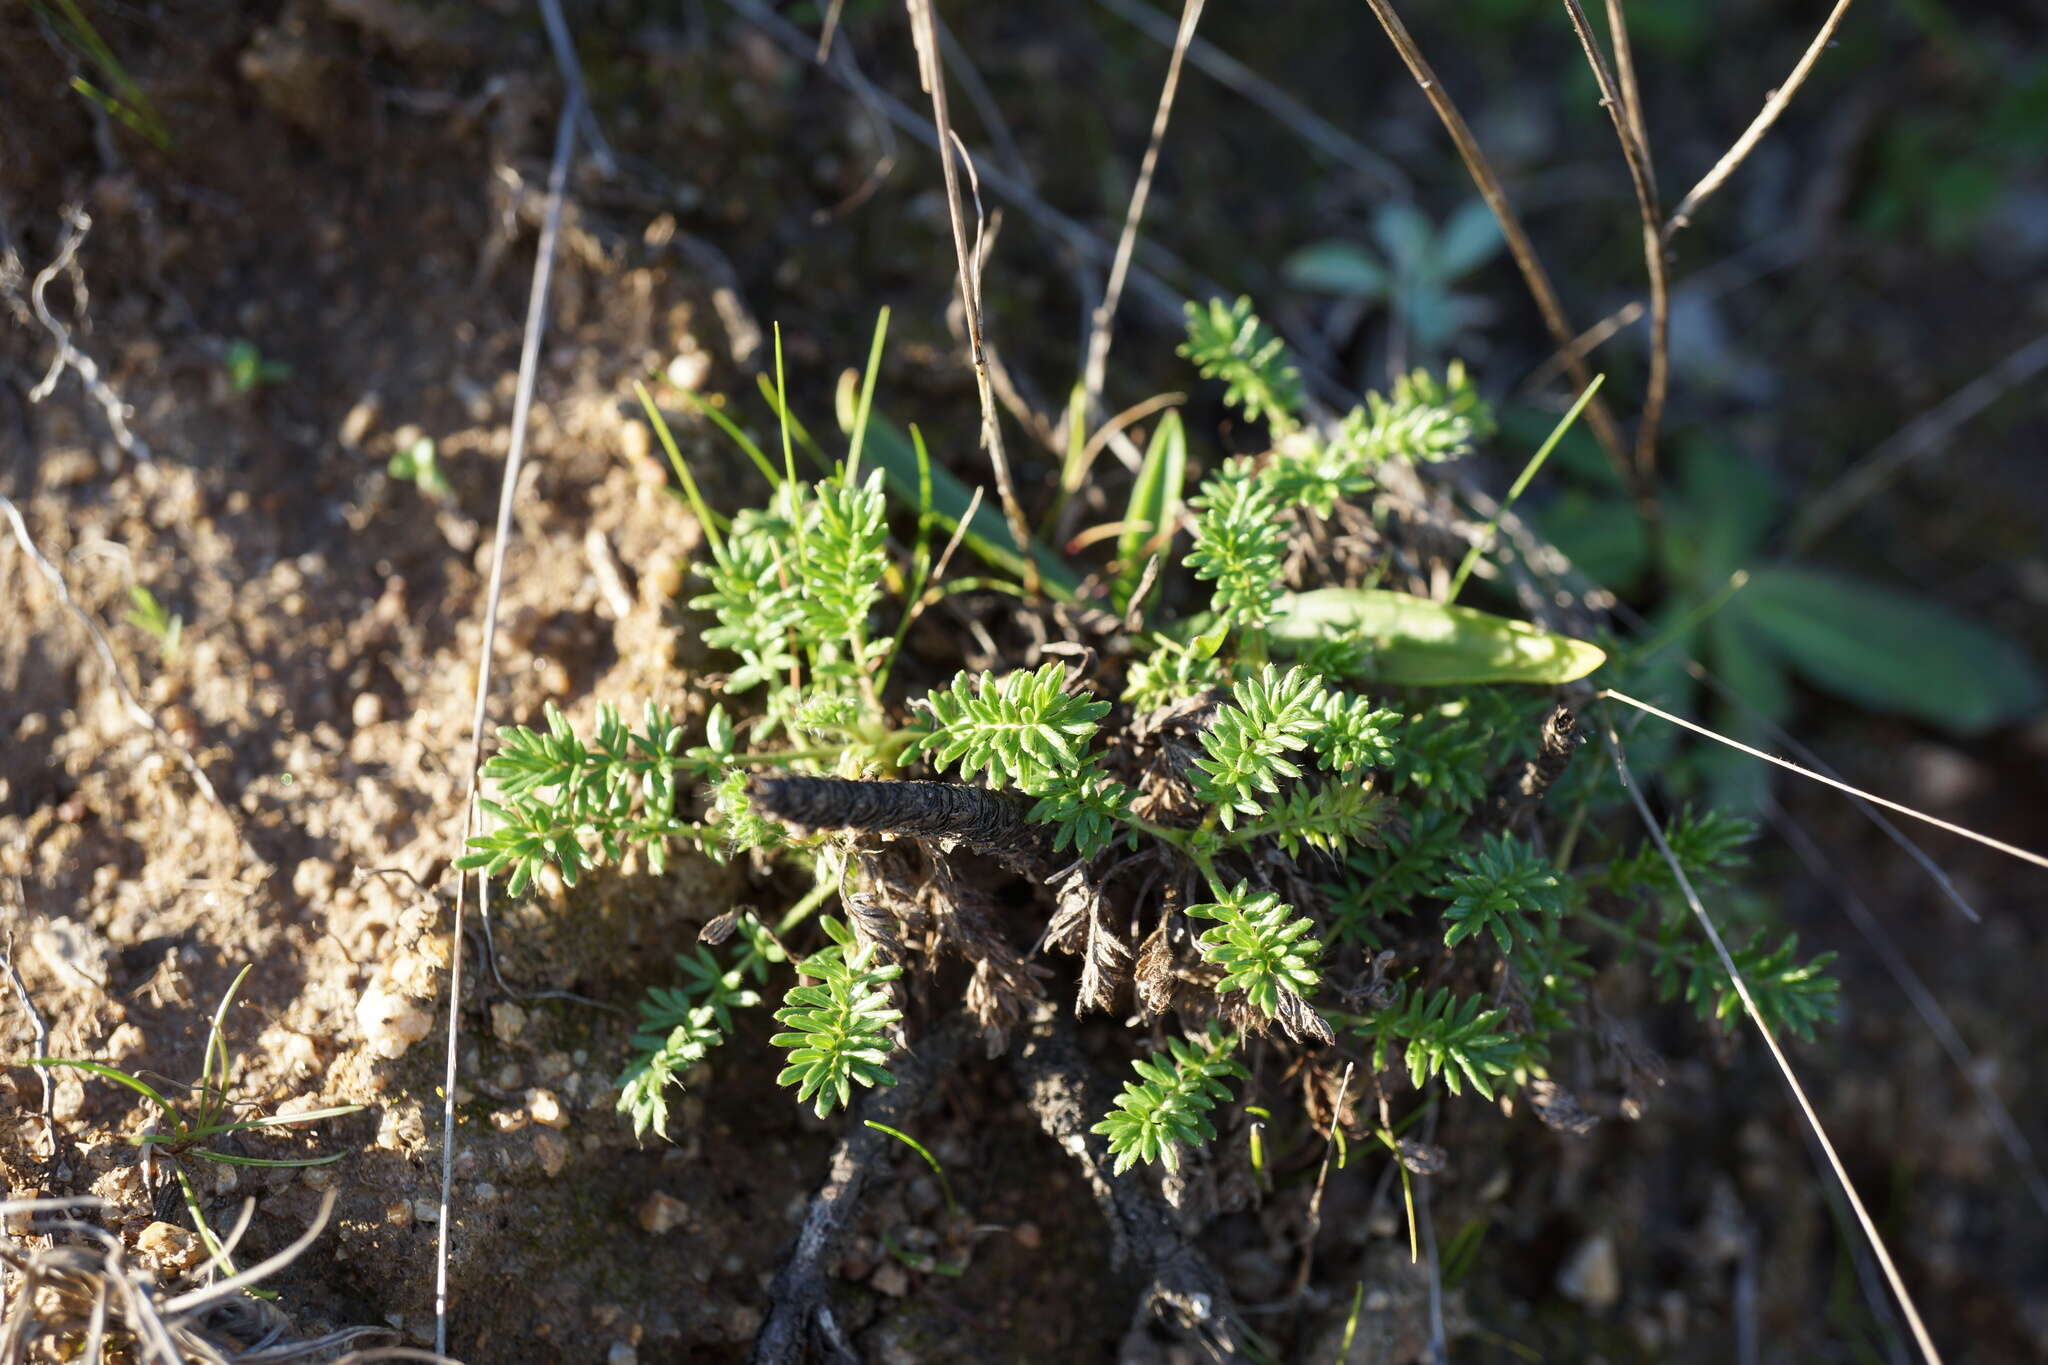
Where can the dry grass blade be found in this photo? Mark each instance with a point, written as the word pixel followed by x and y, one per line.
pixel 1101 325
pixel 1621 101
pixel 522 407
pixel 76 225
pixel 136 711
pixel 1749 1007
pixel 2022 854
pixel 1919 437
pixel 1923 1001
pixel 931 73
pixel 1774 105
pixel 1311 127
pixel 41 1039
pixel 1598 414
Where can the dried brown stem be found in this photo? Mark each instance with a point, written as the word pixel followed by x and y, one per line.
pixel 1619 98
pixel 1774 105
pixel 931 73
pixel 1067 1097
pixel 800 1317
pixel 1598 414
pixel 1101 326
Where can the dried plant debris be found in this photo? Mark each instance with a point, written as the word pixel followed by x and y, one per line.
pixel 71 1291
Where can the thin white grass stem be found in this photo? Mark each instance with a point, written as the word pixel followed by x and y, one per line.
pixel 1102 325
pixel 1942 881
pixel 1920 437
pixel 508 491
pixel 1891 1272
pixel 2022 854
pixel 1922 999
pixel 1774 105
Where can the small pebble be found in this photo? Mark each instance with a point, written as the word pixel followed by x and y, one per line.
pixel 546 1108
pixel 659 1213
pixel 552 1149
pixel 890 1278
pixel 1591 1275
pixel 360 418
pixel 367 710
pixel 391 1023
pixel 508 1021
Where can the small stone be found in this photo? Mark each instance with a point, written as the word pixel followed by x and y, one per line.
pixel 366 710
pixel 635 443
pixel 659 1213
pixel 508 1021
pixel 398 1214
pixel 69 467
pixel 546 1107
pixel 174 1248
pixel 552 1149
pixel 1028 1236
pixel 1591 1275
pixel 313 878
pixel 359 419
pixel 891 1279
pixel 391 1023
pixel 689 370
pixel 621 1353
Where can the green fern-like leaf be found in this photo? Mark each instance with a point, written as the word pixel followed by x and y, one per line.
pixel 1025 729
pixel 1355 735
pixel 1791 995
pixel 1387 880
pixel 1427 419
pixel 758 603
pixel 1262 952
pixel 841 557
pixel 1503 883
pixel 1240 543
pixel 1171 672
pixel 1228 342
pixel 1440 1035
pixel 1089 810
pixel 838 1027
pixel 1246 746
pixel 1329 818
pixel 1707 845
pixel 1170 1103
pixel 1444 755
pixel 678 1027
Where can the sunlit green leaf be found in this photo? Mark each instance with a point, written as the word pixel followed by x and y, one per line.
pixel 1416 642
pixel 1155 504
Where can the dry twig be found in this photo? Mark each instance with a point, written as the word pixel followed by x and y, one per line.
pixel 1774 105
pixel 1102 324
pixel 800 1305
pixel 1598 414
pixel 1622 102
pixel 77 223
pixel 931 72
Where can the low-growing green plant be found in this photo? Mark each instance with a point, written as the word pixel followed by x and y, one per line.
pixel 419 464
pixel 1287 810
pixel 249 369
pixel 1411 269
pixel 147 615
pixel 192 1127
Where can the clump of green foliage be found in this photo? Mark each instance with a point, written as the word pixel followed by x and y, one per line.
pixel 1332 864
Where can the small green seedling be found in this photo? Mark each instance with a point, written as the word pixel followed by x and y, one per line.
pixel 1413 271
pixel 190 1128
pixel 419 464
pixel 249 369
pixel 147 615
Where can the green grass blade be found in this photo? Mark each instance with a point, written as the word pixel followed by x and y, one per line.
pixel 1486 536
pixel 1154 507
pixel 140 1087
